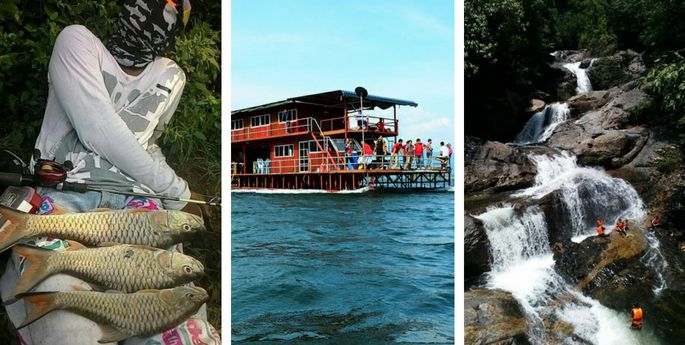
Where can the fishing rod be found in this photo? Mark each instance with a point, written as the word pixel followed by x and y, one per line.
pixel 50 173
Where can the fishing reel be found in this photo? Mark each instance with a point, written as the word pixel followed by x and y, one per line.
pixel 49 173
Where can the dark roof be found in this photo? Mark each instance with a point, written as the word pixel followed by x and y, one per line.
pixel 334 99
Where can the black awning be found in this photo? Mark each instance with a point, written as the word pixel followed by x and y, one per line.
pixel 339 97
pixel 333 99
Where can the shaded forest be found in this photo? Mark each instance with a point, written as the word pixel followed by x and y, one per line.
pixel 508 45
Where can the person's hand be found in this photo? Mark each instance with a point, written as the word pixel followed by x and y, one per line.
pixel 198 209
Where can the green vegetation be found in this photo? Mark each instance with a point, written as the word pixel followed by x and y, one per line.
pixel 192 141
pixel 508 42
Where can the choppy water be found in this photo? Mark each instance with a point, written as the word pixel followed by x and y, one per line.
pixel 372 268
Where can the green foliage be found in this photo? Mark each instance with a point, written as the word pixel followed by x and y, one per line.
pixel 671 159
pixel 27 34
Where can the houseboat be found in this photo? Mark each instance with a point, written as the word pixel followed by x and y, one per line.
pixel 315 142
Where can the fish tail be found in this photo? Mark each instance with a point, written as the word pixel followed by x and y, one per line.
pixel 35 272
pixel 12 231
pixel 43 303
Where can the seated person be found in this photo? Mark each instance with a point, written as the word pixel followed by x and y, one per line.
pixel 107 107
pixel 380 125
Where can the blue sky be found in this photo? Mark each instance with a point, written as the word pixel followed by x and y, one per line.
pixel 398 49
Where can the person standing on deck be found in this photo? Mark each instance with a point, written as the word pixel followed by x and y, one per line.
pixel 418 152
pixel 368 155
pixel 408 155
pixel 429 153
pixel 107 106
pixel 444 155
pixel 381 151
pixel 397 151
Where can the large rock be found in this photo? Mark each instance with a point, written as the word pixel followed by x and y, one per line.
pixel 476 247
pixel 608 269
pixel 494 166
pixel 599 136
pixel 588 101
pixel 493 317
pixel 657 173
pixel 615 70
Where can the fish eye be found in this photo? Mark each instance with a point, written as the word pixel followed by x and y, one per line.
pixel 186 227
pixel 187 269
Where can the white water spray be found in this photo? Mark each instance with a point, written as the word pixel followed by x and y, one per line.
pixel 541 125
pixel 523 264
pixel 583 80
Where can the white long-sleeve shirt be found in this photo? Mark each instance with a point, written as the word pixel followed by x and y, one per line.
pixel 105 121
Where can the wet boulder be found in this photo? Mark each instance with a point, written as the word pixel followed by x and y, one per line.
pixel 494 166
pixel 493 317
pixel 536 105
pixel 476 247
pixel 607 269
pixel 615 70
pixel 587 101
pixel 558 219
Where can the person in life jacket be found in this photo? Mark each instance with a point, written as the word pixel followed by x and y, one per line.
pixel 636 317
pixel 600 228
pixel 620 228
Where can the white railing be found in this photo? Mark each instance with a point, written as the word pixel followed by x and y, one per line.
pixel 341 163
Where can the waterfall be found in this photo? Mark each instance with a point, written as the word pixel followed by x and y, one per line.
pixel 541 125
pixel 655 259
pixel 523 264
pixel 586 193
pixel 583 80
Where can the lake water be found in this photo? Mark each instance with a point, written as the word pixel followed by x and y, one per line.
pixel 371 268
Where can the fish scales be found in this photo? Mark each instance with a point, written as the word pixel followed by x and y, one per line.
pixel 90 228
pixel 153 228
pixel 126 268
pixel 124 311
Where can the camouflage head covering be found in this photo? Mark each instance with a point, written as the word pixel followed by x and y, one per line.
pixel 146 29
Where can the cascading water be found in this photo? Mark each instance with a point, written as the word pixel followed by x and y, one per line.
pixel 523 264
pixel 586 193
pixel 541 125
pixel 582 78
pixel 522 260
pixel 655 259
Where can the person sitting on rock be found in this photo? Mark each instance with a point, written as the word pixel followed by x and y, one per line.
pixel 620 228
pixel 656 221
pixel 636 317
pixel 625 226
pixel 600 229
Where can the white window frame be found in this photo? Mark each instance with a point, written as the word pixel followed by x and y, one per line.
pixel 234 121
pixel 261 117
pixel 293 112
pixel 286 149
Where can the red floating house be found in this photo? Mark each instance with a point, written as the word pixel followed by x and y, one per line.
pixel 300 143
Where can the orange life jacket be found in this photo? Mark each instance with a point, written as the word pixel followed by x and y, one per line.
pixel 637 316
pixel 600 230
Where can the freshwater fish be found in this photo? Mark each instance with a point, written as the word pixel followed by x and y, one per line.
pixel 158 229
pixel 121 315
pixel 123 267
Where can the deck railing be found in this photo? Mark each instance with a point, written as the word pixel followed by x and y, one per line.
pixel 341 163
pixel 299 126
pixel 368 123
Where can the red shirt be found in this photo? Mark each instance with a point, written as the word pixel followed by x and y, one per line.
pixel 367 149
pixel 397 148
pixel 418 149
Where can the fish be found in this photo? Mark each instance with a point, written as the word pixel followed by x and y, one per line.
pixel 158 229
pixel 121 267
pixel 121 315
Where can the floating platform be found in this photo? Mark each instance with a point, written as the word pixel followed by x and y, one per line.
pixel 347 180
